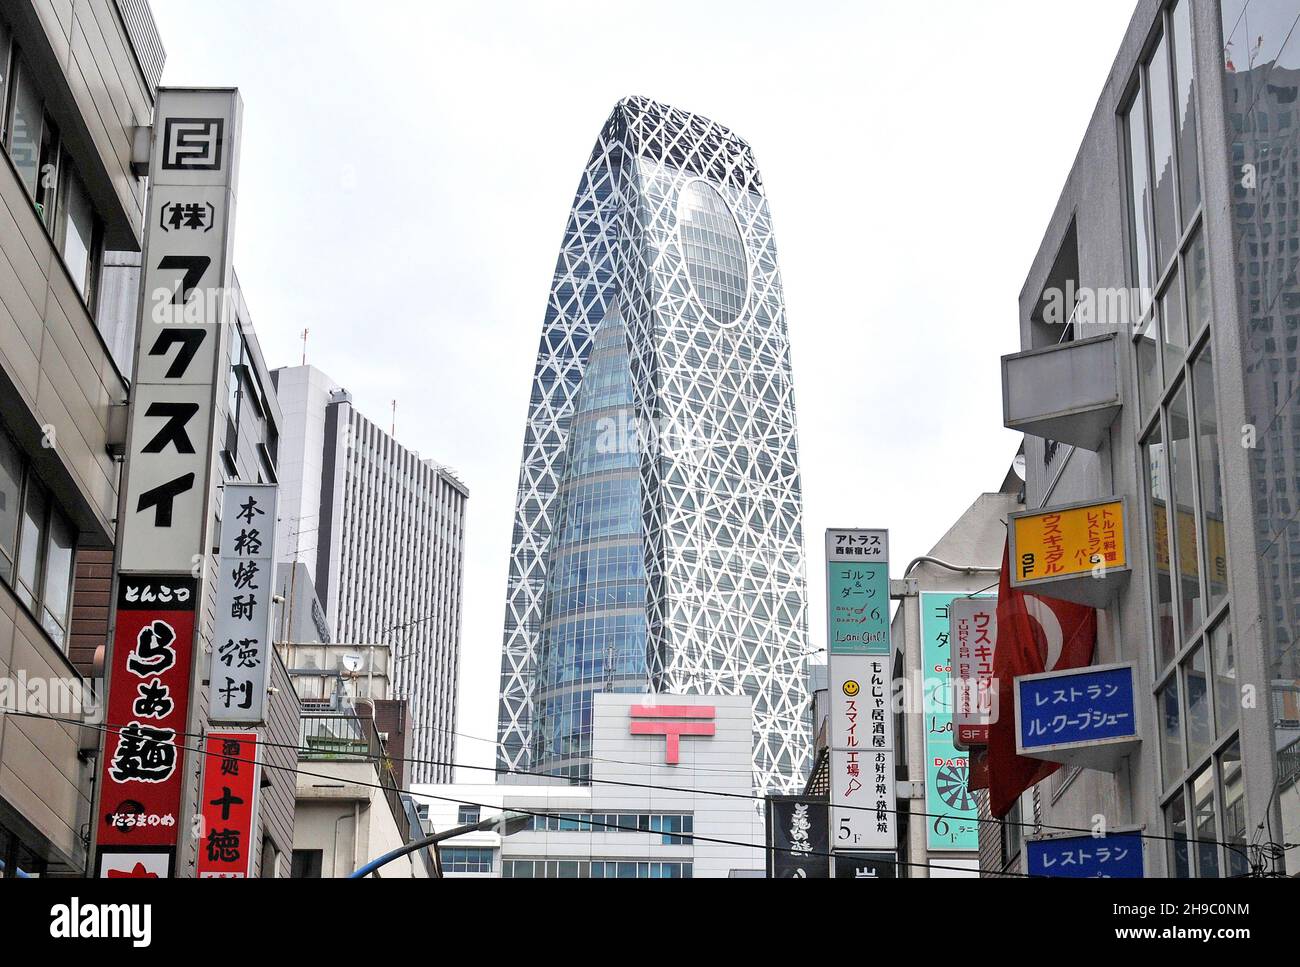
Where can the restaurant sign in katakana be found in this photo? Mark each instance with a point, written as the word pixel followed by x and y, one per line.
pixel 1075 552
pixel 1116 855
pixel 1080 716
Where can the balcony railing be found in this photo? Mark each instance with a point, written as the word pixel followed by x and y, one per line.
pixel 347 737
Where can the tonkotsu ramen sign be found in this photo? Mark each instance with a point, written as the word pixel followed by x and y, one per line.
pixel 141 773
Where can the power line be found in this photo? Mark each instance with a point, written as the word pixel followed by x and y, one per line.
pixel 694 837
pixel 525 772
pixel 365 756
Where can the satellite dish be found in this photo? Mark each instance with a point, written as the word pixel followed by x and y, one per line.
pixel 352 663
pixel 1018 465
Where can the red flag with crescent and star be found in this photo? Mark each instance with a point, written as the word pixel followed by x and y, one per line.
pixel 1035 634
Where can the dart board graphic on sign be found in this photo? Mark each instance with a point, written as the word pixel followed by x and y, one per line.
pixel 951 784
pixel 947 768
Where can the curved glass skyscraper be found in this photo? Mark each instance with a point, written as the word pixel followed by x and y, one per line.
pixel 658 542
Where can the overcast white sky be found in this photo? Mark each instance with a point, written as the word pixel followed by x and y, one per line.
pixel 408 167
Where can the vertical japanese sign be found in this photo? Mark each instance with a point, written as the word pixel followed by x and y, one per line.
pixel 862 777
pixel 798 838
pixel 972 634
pixel 184 305
pixel 241 649
pixel 229 805
pixel 857 592
pixel 140 778
pixel 165 504
pixel 953 820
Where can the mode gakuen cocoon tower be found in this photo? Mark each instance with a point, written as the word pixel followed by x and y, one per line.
pixel 658 542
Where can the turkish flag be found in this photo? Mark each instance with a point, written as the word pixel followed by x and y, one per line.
pixel 1035 634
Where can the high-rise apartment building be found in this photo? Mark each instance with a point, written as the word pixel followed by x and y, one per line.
pixel 382 532
pixel 658 543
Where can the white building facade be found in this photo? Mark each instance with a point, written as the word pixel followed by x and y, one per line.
pixel 669 797
pixel 382 531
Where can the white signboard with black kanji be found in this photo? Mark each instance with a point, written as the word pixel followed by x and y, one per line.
pixel 241 648
pixel 185 315
pixel 863 801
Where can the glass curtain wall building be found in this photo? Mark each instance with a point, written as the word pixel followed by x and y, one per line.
pixel 657 542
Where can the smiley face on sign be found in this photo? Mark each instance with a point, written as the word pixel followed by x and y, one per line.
pixel 851 688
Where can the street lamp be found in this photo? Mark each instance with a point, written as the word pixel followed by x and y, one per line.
pixel 505 824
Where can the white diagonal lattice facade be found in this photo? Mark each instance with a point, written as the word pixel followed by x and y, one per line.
pixel 700 589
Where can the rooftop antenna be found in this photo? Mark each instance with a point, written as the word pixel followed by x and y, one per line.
pixel 304 346
pixel 394 433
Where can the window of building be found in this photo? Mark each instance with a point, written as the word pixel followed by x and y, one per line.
pixel 17 861
pixel 37 544
pixel 6 47
pixel 58 193
pixel 26 124
pixel 466 859
pixel 1195 689
pixel 307 864
pixel 674 829
pixel 467 814
pixel 1013 835
pixel 270 868
pixel 597 869
pixel 78 235
pixel 11 492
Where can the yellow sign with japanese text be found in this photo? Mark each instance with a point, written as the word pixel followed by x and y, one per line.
pixel 1188 562
pixel 1062 542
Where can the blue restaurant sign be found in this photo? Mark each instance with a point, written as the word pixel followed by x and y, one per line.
pixel 1116 855
pixel 1083 716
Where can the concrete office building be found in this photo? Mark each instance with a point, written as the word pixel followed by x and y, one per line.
pixel 1186 403
pixel 658 543
pixel 382 532
pixel 74 82
pixel 649 793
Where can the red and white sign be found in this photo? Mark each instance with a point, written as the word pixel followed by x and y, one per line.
pixel 656 720
pixel 863 799
pixel 142 770
pixel 138 865
pixel 973 633
pixel 229 805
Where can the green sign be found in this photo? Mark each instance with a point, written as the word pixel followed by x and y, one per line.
pixel 953 820
pixel 857 608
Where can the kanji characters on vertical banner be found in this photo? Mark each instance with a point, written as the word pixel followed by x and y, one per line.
pixel 229 805
pixel 141 773
pixel 863 796
pixel 798 838
pixel 241 650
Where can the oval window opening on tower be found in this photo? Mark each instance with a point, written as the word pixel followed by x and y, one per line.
pixel 714 252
